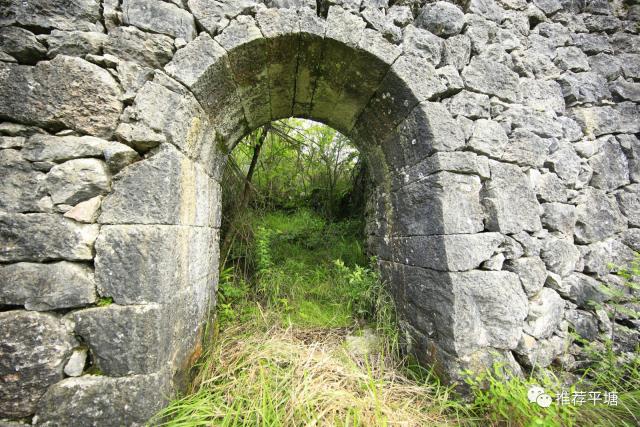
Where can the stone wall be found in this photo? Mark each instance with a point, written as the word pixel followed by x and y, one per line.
pixel 501 137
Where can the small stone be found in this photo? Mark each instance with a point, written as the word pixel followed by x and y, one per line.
pixel 77 180
pixel 531 271
pixel 571 59
pixel 494 263
pixel 86 211
pixel 469 104
pixel 441 18
pixel 422 43
pixel 488 138
pixel 560 256
pixel 21 45
pixel 559 217
pixel 75 365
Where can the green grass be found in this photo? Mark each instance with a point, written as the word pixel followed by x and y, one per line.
pixel 294 287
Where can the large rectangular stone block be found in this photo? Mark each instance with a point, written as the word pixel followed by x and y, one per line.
pixel 310 52
pixel 47 286
pixel 165 188
pixel 45 237
pixel 151 263
pixel 442 203
pixel 125 340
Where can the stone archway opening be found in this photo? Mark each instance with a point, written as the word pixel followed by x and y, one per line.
pixel 483 178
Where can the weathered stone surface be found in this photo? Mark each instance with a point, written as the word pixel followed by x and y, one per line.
pixel 81 15
pixel 606 256
pixel 571 59
pixel 596 121
pixel 123 339
pixel 457 51
pixel 147 49
pixel 631 146
pixel 560 256
pixel 422 43
pixel 531 271
pixel 77 180
pixel 166 188
pixel 584 323
pixel 469 104
pixel 546 310
pixel 35 347
pixel 21 186
pixel 132 76
pixel 597 216
pixel 451 199
pixel 625 90
pixel 65 92
pixel 100 400
pixel 86 211
pixel 159 17
pixel 143 263
pixel 75 43
pixel 564 162
pixel 457 252
pixel 525 148
pixel 488 138
pixel 559 217
pixel 543 123
pixel 492 78
pixel 629 202
pixel 509 201
pixel 581 88
pixel 592 44
pixel 21 45
pixel 582 290
pixel 608 66
pixel 44 237
pixel 610 167
pixel 75 365
pixel 542 95
pixel 165 114
pixel 44 287
pixel 533 353
pixel 531 63
pixel 441 18
pixel 487 9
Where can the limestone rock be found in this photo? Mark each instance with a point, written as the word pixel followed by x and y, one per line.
pixel 214 17
pixel 608 66
pixel 457 51
pixel 146 49
pixel 86 211
pixel 441 18
pixel 488 138
pixel 584 323
pixel 151 263
pixel 531 271
pixel 159 17
pixel 457 252
pixel 538 353
pixel 598 217
pixel 571 59
pixel 629 202
pixel 43 287
pixel 75 43
pixel 166 188
pixel 606 256
pixel 492 78
pixel 542 95
pixel 582 290
pixel 35 347
pixel 509 201
pixel 21 44
pixel 487 9
pixel 559 217
pixel 546 310
pixel 44 237
pixel 581 88
pixel 101 400
pixel 83 15
pixel 623 117
pixel 526 148
pixel 75 365
pixel 65 92
pixel 123 339
pixel 560 256
pixel 564 162
pixel 610 168
pixel 22 187
pixel 625 90
pixel 422 43
pixel 469 104
pixel 77 180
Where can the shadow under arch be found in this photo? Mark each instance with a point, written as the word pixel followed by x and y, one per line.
pixel 157 251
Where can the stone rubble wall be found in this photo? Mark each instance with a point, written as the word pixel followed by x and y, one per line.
pixel 502 139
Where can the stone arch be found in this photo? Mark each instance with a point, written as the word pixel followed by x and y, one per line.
pixel 454 198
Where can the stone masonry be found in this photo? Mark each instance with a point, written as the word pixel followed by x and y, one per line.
pixel 501 138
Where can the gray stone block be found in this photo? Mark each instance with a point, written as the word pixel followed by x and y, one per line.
pixel 159 17
pixel 35 348
pixel 82 15
pixel 44 237
pixel 165 188
pixel 65 92
pixel 147 49
pixel 44 287
pixel 150 263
